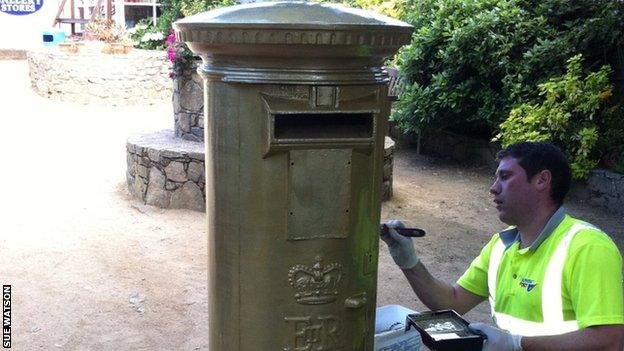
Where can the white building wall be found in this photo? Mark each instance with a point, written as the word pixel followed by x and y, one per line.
pixel 22 32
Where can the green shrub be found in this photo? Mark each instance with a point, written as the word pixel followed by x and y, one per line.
pixel 146 36
pixel 461 61
pixel 191 7
pixel 392 8
pixel 566 115
pixel 173 10
pixel 471 61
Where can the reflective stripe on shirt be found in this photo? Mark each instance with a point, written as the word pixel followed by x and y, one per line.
pixel 527 328
pixel 552 305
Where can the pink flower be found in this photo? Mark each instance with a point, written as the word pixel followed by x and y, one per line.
pixel 171 39
pixel 171 54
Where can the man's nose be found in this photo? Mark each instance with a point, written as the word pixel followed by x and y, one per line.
pixel 495 188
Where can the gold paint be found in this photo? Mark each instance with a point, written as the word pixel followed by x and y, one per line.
pixel 294 120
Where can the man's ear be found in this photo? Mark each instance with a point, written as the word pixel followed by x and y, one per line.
pixel 543 180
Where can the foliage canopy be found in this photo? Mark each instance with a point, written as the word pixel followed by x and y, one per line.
pixel 566 115
pixel 472 62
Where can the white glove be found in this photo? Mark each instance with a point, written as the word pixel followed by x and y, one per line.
pixel 497 339
pixel 401 248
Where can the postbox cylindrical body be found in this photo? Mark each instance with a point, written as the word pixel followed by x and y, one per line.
pixel 295 115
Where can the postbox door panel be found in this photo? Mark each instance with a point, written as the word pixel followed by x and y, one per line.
pixel 319 193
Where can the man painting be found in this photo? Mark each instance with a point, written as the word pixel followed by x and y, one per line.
pixel 554 282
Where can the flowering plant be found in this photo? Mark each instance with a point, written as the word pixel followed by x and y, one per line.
pixel 145 36
pixel 153 37
pixel 179 55
pixel 106 30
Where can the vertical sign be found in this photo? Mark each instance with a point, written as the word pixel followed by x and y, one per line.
pixel 6 316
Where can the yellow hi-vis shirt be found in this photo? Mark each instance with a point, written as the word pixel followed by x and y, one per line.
pixel 571 278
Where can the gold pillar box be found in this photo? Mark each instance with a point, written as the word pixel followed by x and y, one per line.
pixel 295 112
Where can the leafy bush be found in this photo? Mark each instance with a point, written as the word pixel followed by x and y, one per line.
pixel 566 115
pixel 458 61
pixel 392 8
pixel 191 7
pixel 471 61
pixel 173 10
pixel 146 36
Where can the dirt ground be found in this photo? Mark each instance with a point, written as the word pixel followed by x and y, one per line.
pixel 93 269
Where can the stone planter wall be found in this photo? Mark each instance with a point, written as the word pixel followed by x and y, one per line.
pixel 140 77
pixel 188 105
pixel 166 171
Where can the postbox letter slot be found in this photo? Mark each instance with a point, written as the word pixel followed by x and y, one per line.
pixel 323 125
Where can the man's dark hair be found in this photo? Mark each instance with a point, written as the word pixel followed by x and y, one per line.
pixel 535 157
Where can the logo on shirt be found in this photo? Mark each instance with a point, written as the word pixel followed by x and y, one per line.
pixel 527 284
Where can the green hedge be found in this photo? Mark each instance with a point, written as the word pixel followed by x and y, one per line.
pixel 472 62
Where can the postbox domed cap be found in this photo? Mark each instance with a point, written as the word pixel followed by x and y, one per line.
pixel 293 23
pixel 291 15
pixel 289 42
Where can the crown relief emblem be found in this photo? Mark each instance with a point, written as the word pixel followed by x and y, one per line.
pixel 317 284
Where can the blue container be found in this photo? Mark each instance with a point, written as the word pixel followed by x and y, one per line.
pixel 53 37
pixel 390 333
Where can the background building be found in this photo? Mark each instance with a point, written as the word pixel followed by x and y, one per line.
pixel 25 23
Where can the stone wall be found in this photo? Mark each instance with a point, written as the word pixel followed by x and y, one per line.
pixel 140 77
pixel 604 189
pixel 188 105
pixel 166 171
pixel 10 54
pixel 462 149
